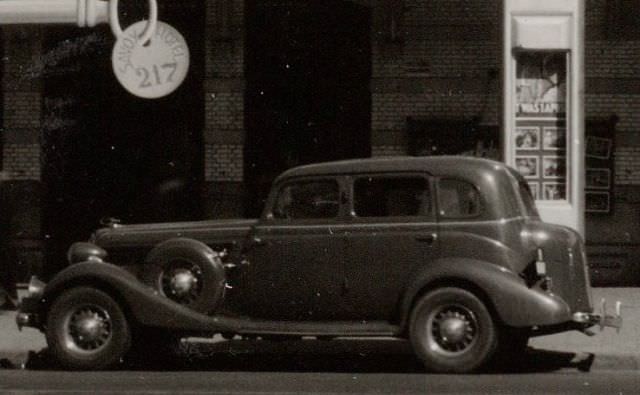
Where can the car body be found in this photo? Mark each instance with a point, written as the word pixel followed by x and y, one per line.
pixel 447 252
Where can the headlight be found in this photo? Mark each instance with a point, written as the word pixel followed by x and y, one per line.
pixel 85 252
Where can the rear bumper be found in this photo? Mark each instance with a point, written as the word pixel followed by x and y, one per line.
pixel 603 319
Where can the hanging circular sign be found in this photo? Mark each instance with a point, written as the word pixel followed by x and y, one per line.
pixel 153 69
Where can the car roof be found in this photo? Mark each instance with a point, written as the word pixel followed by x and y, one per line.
pixel 435 165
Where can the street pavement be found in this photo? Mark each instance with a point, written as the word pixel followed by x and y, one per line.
pixel 607 350
pixel 315 382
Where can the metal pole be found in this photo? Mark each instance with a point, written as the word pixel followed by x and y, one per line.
pixel 80 12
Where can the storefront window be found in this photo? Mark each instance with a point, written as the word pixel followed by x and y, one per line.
pixel 541 124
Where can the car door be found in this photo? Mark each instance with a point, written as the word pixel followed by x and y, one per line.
pixel 294 254
pixel 392 233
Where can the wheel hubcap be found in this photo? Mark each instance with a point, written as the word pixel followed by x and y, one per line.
pixel 181 282
pixel 88 329
pixel 453 329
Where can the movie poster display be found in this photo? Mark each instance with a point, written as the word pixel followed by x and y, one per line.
pixel 540 134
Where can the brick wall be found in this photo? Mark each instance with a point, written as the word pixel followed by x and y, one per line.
pixel 388 150
pixel 20 187
pixel 223 162
pixel 444 63
pixel 224 86
pixel 613 87
pixel 442 58
pixel 224 122
pixel 627 166
pixel 22 104
pixel 21 162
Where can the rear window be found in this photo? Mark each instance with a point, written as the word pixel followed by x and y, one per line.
pixel 458 199
pixel 391 197
pixel 528 201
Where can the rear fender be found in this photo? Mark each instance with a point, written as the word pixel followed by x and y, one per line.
pixel 509 297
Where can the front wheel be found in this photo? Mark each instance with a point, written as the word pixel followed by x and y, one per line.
pixel 452 331
pixel 87 330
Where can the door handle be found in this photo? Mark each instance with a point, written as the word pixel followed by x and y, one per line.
pixel 430 239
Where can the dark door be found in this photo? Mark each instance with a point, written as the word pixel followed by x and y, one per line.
pixel 108 153
pixel 308 72
pixel 393 233
pixel 295 256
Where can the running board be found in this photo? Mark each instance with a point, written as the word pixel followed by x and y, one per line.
pixel 329 328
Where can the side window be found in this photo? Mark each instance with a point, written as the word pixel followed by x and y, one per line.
pixel 308 199
pixel 391 196
pixel 458 199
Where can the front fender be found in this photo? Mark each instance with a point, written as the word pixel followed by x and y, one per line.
pixel 515 304
pixel 146 306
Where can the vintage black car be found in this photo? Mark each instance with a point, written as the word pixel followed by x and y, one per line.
pixel 446 252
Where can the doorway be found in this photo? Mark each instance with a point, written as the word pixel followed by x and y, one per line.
pixel 308 98
pixel 108 153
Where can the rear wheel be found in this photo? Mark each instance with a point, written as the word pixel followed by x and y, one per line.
pixel 452 331
pixel 87 330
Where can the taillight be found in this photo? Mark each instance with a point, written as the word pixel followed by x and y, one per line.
pixel 535 274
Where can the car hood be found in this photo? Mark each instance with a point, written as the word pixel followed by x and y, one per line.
pixel 216 231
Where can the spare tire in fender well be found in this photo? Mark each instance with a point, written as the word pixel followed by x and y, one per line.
pixel 187 271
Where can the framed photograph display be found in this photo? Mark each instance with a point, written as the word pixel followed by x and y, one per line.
pixel 528 166
pixel 554 167
pixel 554 191
pixel 554 138
pixel 598 147
pixel 598 179
pixel 540 135
pixel 541 84
pixel 600 165
pixel 528 138
pixel 598 202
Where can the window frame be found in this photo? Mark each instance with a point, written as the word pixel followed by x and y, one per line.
pixel 428 216
pixel 278 190
pixel 446 218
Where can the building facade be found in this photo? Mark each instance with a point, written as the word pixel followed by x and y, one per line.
pixel 277 83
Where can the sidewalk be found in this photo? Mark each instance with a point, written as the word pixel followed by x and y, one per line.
pixel 611 350
pixel 15 345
